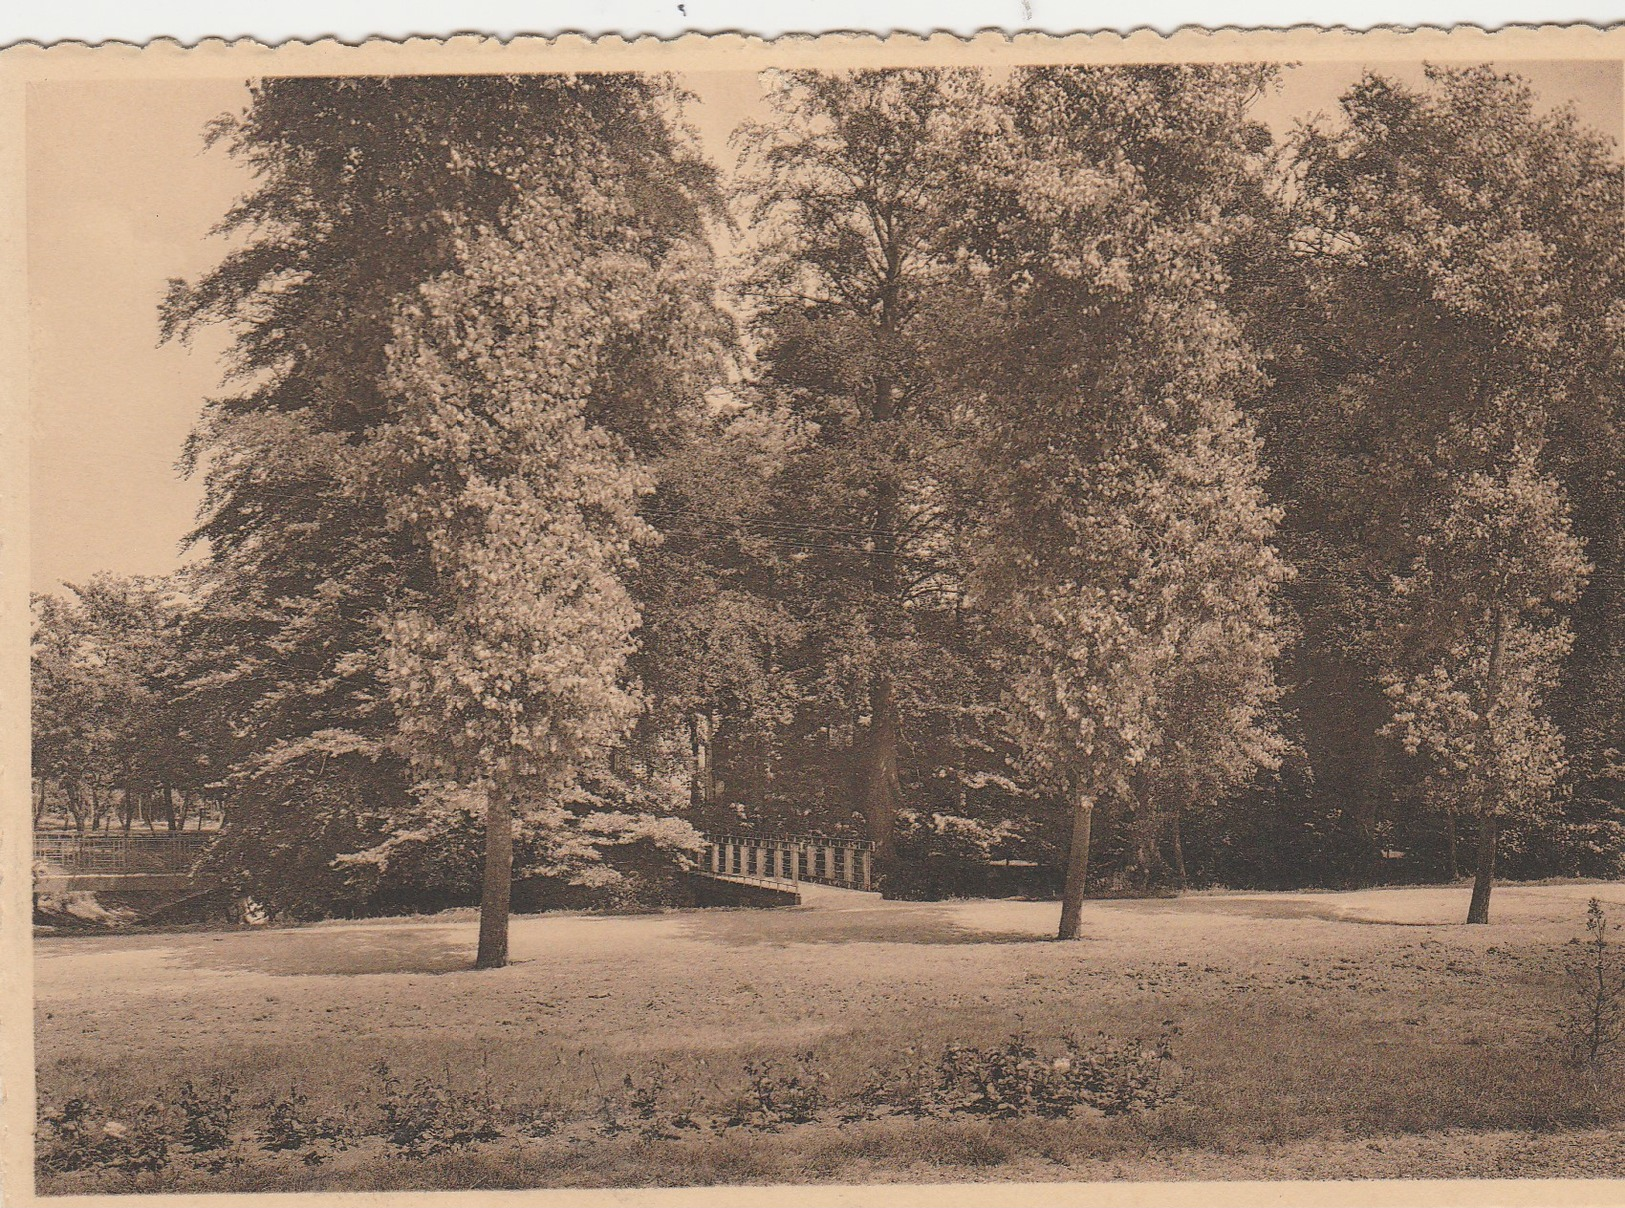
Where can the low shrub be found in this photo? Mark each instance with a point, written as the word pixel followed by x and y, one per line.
pixel 651 1106
pixel 425 1118
pixel 1017 1079
pixel 76 1137
pixel 291 1127
pixel 429 1117
pixel 1593 1021
pixel 780 1093
pixel 207 1114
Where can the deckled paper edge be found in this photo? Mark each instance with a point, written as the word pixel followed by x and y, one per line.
pixel 27 61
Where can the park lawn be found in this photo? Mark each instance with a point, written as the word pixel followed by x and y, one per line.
pixel 1317 1036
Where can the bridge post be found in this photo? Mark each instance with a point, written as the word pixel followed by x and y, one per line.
pixel 795 864
pixel 866 856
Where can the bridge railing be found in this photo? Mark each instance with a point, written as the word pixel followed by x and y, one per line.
pixel 119 853
pixel 845 862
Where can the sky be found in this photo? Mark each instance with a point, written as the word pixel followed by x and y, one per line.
pixel 122 196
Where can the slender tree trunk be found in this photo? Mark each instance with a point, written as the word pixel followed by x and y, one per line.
pixel 1478 911
pixel 1489 825
pixel 703 788
pixel 1364 813
pixel 1179 849
pixel 498 888
pixel 1147 828
pixel 1077 866
pixel 76 804
pixel 881 789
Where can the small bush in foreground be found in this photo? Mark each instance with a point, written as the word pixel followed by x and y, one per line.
pixel 207 1114
pixel 76 1137
pixel 1594 1022
pixel 779 1094
pixel 1016 1079
pixel 428 1118
pixel 291 1127
pixel 650 1106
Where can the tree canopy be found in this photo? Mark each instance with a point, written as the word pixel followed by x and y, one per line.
pixel 1062 462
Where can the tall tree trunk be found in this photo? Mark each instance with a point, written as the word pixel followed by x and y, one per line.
pixel 1478 911
pixel 498 888
pixel 703 785
pixel 1489 824
pixel 1077 866
pixel 76 805
pixel 1147 827
pixel 881 788
pixel 1179 848
pixel 1363 813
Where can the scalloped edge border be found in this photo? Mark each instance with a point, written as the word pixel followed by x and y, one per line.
pixel 27 60
pixel 1549 40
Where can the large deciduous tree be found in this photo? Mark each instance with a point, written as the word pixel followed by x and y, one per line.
pixel 112 732
pixel 847 191
pixel 366 189
pixel 508 672
pixel 1488 639
pixel 1458 256
pixel 1126 549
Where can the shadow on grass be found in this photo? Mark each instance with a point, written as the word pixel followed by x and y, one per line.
pixel 324 952
pixel 1237 907
pixel 894 923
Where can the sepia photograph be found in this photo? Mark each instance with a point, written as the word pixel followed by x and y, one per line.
pixel 851 613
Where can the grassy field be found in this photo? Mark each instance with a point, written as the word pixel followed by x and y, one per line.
pixel 1344 1035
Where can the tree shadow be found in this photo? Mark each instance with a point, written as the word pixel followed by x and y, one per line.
pixel 893 923
pixel 331 952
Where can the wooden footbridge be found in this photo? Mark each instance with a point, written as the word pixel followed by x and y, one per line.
pixel 147 873
pixel 786 863
pixel 67 856
pixel 158 867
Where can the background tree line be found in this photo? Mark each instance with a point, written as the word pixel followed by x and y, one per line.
pixel 1055 465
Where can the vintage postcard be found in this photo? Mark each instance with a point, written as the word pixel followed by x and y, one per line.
pixel 844 620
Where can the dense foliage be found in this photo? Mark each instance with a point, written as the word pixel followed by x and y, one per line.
pixel 1061 451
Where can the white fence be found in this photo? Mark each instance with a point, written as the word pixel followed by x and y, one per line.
pixel 118 853
pixel 845 862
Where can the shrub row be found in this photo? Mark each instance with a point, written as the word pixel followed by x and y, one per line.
pixel 207 1121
